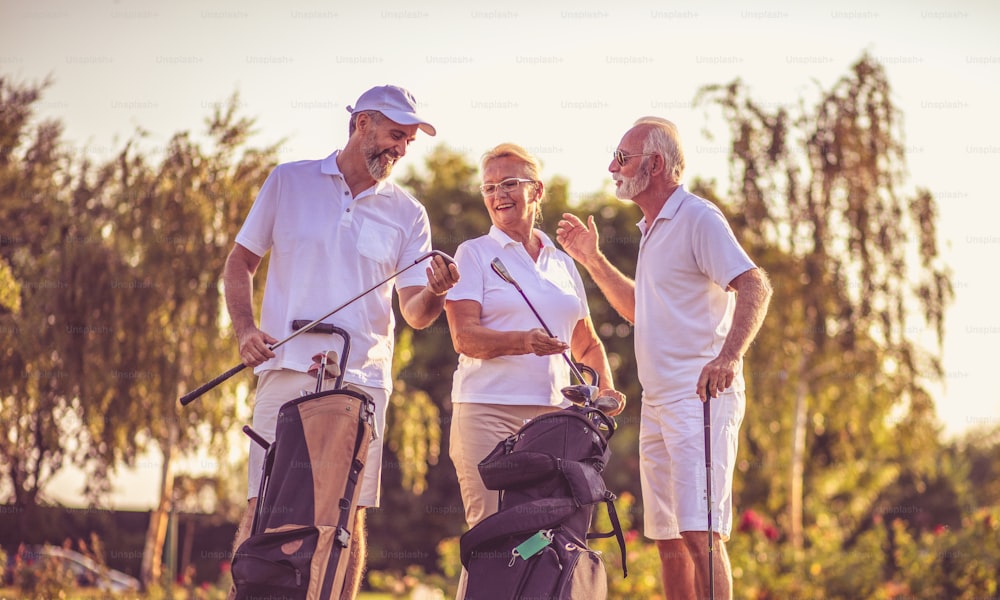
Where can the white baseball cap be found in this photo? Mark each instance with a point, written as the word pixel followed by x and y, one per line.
pixel 395 103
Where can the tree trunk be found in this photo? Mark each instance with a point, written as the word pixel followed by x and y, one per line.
pixel 152 555
pixel 795 500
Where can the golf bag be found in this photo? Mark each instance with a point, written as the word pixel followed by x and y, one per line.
pixel 549 477
pixel 300 537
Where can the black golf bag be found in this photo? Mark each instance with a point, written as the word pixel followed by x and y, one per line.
pixel 550 477
pixel 301 531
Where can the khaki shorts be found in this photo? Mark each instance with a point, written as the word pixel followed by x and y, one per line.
pixel 672 465
pixel 476 429
pixel 277 387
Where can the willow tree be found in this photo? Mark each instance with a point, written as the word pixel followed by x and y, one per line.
pixel 175 224
pixel 839 376
pixel 56 329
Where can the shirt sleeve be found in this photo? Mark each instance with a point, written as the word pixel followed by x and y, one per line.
pixel 719 256
pixel 257 232
pixel 470 270
pixel 417 244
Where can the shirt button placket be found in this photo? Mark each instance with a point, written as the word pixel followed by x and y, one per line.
pixel 345 221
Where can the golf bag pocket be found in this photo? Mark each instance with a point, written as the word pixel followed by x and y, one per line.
pixel 287 563
pixel 563 568
pixel 501 470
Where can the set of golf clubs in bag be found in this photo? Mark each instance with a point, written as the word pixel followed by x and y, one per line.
pixel 298 544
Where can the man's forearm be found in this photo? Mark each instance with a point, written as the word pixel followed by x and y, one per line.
pixel 753 295
pixel 616 287
pixel 422 308
pixel 238 290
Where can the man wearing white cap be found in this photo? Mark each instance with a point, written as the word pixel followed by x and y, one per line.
pixel 335 227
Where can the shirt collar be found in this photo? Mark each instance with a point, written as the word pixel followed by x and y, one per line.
pixel 505 240
pixel 329 166
pixel 670 208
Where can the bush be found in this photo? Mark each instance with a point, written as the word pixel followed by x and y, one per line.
pixel 942 563
pixel 43 578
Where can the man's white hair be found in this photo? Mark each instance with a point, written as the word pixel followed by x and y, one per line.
pixel 664 140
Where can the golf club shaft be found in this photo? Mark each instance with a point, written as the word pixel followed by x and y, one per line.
pixel 191 396
pixel 707 416
pixel 500 269
pixel 569 361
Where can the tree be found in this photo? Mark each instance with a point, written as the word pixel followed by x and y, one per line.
pixel 55 331
pixel 175 225
pixel 836 374
pixel 101 337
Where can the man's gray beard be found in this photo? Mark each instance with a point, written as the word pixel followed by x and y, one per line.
pixel 633 186
pixel 376 169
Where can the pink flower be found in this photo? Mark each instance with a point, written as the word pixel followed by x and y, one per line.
pixel 771 532
pixel 751 521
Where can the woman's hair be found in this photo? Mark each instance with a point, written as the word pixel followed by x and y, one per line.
pixel 513 151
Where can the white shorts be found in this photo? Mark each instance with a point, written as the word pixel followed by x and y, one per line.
pixel 277 387
pixel 672 465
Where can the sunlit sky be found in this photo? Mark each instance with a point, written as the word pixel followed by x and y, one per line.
pixel 564 80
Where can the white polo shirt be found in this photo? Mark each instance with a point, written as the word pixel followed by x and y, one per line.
pixel 553 286
pixel 328 246
pixel 682 309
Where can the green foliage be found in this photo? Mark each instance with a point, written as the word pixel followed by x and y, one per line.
pixel 414 431
pixel 413 583
pixel 838 383
pixel 643 579
pixel 10 289
pixel 45 579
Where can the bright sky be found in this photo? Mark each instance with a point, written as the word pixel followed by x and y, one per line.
pixel 563 79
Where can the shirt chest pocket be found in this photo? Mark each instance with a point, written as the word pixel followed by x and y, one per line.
pixel 379 243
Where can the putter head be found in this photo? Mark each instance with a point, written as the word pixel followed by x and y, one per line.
pixel 581 395
pixel 501 270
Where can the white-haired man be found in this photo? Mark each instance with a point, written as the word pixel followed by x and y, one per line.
pixel 697 303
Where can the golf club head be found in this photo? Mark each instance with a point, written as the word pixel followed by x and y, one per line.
pixel 447 259
pixel 581 395
pixel 501 270
pixel 326 361
pixel 605 404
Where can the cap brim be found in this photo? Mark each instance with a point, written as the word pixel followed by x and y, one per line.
pixel 404 118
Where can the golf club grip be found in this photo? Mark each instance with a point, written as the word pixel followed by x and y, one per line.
pixel 189 397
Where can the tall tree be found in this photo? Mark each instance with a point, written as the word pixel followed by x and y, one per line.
pixel 55 331
pixel 838 375
pixel 175 224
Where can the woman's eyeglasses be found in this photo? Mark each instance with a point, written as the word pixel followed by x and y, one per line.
pixel 507 185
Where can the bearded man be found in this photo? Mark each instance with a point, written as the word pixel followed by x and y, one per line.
pixel 697 303
pixel 335 227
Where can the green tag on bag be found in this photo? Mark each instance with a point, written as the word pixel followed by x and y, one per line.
pixel 532 545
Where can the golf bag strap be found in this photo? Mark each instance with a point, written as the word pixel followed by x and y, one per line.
pixel 529 517
pixel 616 530
pixel 343 535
